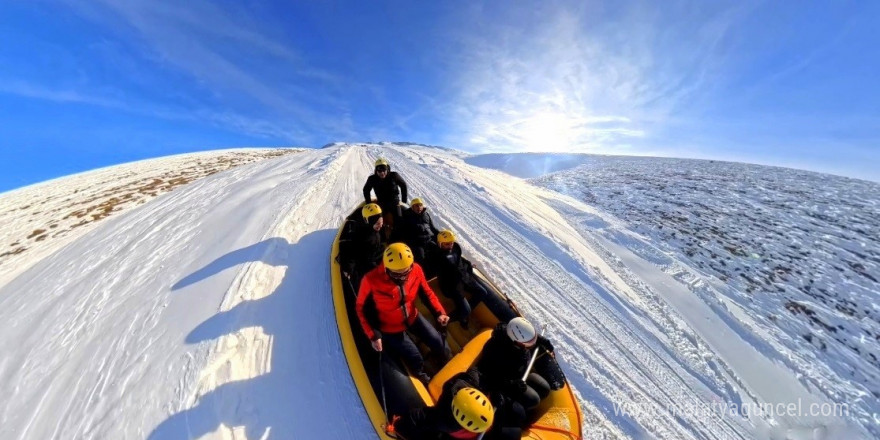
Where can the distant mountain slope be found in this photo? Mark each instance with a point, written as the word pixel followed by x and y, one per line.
pixel 530 165
pixel 797 251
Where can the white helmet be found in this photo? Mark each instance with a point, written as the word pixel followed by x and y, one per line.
pixel 521 330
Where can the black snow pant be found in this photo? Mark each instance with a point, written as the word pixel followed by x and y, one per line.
pixel 391 212
pixel 510 416
pixel 402 345
pixel 537 389
pixel 463 307
pixel 419 253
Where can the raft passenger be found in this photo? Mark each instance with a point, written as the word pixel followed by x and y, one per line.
pixel 394 286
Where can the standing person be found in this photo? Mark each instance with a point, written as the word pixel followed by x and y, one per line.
pixel 360 244
pixel 390 190
pixel 393 286
pixel 505 358
pixel 464 412
pixel 418 231
pixel 456 274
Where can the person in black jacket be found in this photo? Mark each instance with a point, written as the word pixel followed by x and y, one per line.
pixel 464 412
pixel 455 275
pixel 417 230
pixel 360 244
pixel 505 358
pixel 390 190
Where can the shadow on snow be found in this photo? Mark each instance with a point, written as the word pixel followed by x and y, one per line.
pixel 307 389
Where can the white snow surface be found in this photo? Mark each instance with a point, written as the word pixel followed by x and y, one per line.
pixel 39 219
pixel 206 313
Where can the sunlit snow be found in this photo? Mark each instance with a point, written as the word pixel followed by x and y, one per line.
pixel 206 312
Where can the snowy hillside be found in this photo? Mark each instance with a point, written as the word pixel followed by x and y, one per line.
pixel 39 219
pixel 792 255
pixel 206 313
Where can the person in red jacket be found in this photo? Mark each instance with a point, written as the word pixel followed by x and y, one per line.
pixel 394 286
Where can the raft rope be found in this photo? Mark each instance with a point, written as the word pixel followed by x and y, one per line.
pixel 382 386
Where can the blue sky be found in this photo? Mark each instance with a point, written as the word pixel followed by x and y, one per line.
pixel 93 83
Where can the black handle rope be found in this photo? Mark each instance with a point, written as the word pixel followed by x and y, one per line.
pixel 382 388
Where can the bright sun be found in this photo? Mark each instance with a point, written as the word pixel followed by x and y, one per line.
pixel 547 131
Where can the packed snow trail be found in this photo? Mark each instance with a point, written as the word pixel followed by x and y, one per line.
pixel 207 312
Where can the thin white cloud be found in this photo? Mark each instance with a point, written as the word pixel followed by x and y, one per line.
pixel 572 76
pixel 34 91
pixel 226 120
pixel 235 57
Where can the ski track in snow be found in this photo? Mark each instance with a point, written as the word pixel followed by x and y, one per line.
pixel 207 313
pixel 607 361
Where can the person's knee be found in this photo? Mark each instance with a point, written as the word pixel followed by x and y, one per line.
pixel 413 360
pixel 530 398
pixel 436 344
pixel 481 291
pixel 518 414
pixel 403 346
pixel 539 384
pixel 427 334
pixel 478 292
pixel 511 413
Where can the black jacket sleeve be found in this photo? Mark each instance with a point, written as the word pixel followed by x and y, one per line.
pixel 402 184
pixel 367 188
pixel 467 265
pixel 347 246
pixel 545 344
pixel 464 264
pixel 433 229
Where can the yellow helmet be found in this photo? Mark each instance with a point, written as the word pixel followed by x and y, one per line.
pixel 369 210
pixel 398 257
pixel 416 201
pixel 380 161
pixel 472 410
pixel 445 236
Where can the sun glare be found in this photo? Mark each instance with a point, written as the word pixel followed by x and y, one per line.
pixel 548 131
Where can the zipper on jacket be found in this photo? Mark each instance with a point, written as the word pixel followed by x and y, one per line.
pixel 403 304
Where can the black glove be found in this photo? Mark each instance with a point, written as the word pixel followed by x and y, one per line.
pixel 545 344
pixel 518 386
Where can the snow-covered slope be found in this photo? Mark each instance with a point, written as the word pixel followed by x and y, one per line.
pixel 206 312
pixel 40 219
pixel 798 252
pixel 791 256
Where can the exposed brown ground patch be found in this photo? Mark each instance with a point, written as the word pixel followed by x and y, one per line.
pixel 15 251
pixel 109 195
